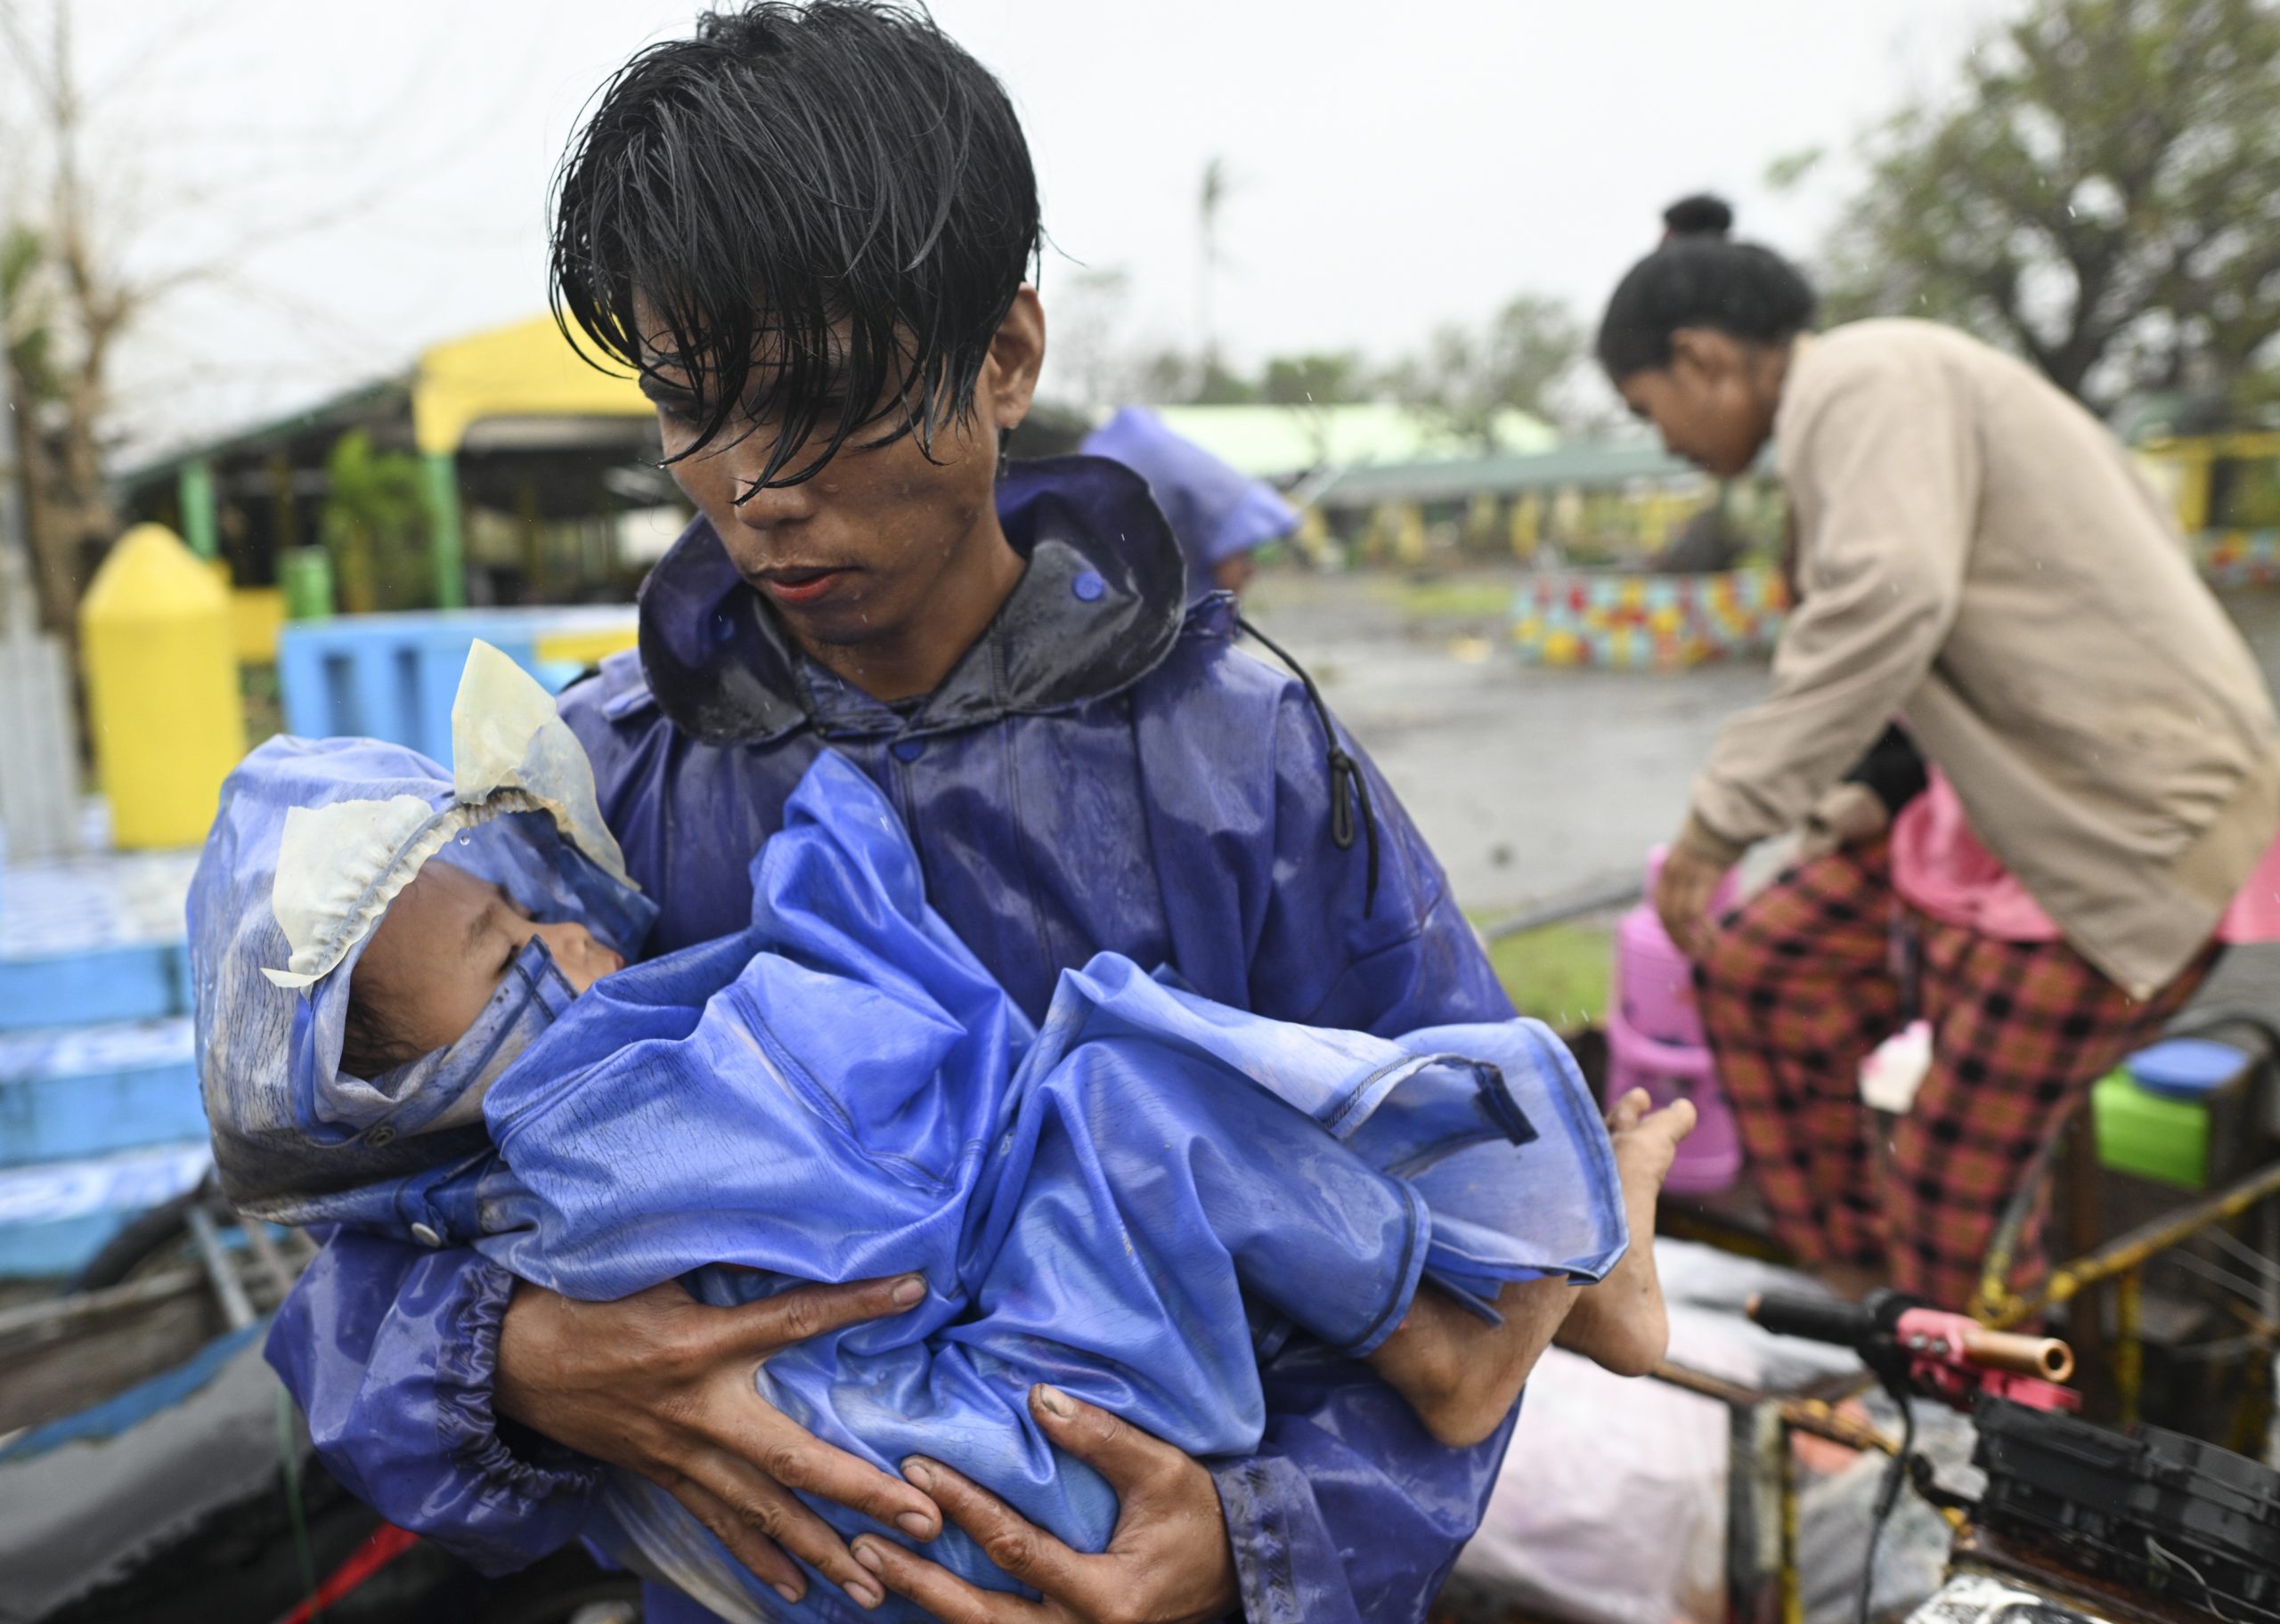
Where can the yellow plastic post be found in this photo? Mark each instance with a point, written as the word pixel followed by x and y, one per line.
pixel 157 640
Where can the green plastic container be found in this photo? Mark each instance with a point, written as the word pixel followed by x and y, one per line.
pixel 2150 1136
pixel 306 575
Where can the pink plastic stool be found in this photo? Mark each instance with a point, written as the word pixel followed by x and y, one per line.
pixel 1654 1041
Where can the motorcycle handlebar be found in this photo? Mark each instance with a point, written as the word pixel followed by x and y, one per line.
pixel 1848 1325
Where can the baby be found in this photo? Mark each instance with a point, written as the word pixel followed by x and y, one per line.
pixel 1135 1202
pixel 449 939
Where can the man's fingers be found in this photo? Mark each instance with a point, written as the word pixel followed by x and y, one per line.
pixel 769 1509
pixel 1008 1539
pixel 757 1329
pixel 1118 1450
pixel 745 1543
pixel 941 1591
pixel 765 1439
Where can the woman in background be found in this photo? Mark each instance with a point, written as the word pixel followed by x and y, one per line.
pixel 1977 555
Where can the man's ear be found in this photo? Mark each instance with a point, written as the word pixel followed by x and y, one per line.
pixel 1016 356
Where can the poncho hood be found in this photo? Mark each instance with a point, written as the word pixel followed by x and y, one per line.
pixel 313 839
pixel 1216 511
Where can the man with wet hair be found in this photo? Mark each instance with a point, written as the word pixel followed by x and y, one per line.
pixel 811 231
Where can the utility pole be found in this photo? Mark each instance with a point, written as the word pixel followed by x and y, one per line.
pixel 1209 201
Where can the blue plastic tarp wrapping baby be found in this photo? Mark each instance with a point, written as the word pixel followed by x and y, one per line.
pixel 1129 1202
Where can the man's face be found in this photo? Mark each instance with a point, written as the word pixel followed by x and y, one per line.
pixel 861 551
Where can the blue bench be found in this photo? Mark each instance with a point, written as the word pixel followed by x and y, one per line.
pixel 89 940
pixel 100 1115
pixel 55 1216
pixel 89 1090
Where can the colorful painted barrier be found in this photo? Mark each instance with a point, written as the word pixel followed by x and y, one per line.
pixel 1660 622
pixel 2238 557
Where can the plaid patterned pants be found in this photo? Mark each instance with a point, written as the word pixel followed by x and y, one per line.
pixel 1800 986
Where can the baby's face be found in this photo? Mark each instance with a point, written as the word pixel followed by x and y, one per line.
pixel 445 945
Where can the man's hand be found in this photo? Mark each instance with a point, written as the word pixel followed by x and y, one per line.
pixel 1168 1563
pixel 663 1385
pixel 1683 898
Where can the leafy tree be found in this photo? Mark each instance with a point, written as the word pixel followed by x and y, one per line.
pixel 1467 380
pixel 2101 193
pixel 1318 379
pixel 1216 385
pixel 375 524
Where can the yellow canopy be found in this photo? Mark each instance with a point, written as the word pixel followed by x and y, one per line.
pixel 526 370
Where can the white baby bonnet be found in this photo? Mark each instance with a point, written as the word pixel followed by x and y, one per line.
pixel 341 865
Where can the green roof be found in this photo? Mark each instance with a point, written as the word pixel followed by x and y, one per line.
pixel 1282 441
pixel 1587 466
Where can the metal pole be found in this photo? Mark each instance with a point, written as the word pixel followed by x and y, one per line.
pixel 222 1274
pixel 440 472
pixel 1759 1566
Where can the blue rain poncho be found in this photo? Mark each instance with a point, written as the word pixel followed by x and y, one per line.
pixel 1131 1201
pixel 1216 512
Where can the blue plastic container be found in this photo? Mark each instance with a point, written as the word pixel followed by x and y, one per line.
pixel 394 676
pixel 2188 1068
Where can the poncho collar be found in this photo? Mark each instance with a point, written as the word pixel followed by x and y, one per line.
pixel 1097 608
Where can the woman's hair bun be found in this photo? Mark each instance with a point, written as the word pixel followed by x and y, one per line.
pixel 1700 215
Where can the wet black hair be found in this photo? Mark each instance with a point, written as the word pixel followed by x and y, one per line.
pixel 372 1044
pixel 825 210
pixel 1699 277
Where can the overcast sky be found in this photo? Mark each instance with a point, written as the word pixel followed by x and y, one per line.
pixel 1396 164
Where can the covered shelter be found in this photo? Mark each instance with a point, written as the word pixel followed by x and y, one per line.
pixel 1611 503
pixel 501 468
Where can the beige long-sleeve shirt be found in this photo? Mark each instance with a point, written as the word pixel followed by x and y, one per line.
pixel 1979 556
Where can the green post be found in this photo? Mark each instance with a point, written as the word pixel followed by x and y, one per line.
pixel 306 575
pixel 194 491
pixel 444 509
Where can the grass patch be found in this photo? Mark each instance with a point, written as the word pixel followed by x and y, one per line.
pixel 1451 600
pixel 1558 974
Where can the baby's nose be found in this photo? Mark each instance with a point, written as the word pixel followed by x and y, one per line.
pixel 581 957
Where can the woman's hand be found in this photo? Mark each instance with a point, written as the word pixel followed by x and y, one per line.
pixel 1168 1563
pixel 1850 815
pixel 1683 898
pixel 661 1384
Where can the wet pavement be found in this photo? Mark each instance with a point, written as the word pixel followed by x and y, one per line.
pixel 1527 782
